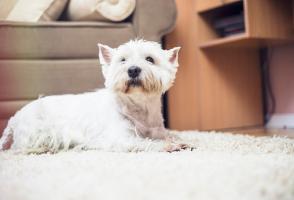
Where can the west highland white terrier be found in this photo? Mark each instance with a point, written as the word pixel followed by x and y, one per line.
pixel 124 116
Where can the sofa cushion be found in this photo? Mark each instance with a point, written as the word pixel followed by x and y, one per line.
pixel 60 39
pixel 29 79
pixel 36 10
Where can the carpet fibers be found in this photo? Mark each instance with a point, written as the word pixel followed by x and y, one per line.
pixel 221 167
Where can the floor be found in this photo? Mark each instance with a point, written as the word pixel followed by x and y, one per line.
pixel 261 131
pixel 221 166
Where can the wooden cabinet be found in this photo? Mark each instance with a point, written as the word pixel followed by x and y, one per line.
pixel 218 84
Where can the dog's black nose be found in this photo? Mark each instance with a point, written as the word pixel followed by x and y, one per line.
pixel 134 71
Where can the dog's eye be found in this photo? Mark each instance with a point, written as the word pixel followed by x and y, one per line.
pixel 123 60
pixel 150 59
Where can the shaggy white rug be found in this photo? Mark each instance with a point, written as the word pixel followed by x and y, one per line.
pixel 222 167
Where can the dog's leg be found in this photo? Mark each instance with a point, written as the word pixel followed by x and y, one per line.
pixel 172 147
pixel 173 142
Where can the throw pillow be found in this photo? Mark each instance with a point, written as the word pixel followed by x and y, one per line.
pixel 37 10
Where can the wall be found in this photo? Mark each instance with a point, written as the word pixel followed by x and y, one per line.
pixel 282 77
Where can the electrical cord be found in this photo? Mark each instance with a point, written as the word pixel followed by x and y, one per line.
pixel 268 94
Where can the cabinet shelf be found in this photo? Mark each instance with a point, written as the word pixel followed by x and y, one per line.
pixel 208 5
pixel 236 40
pixel 242 40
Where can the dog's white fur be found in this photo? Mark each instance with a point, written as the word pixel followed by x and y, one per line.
pixel 121 117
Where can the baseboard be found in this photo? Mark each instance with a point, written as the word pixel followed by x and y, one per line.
pixel 281 121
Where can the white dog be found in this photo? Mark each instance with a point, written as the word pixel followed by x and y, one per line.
pixel 124 116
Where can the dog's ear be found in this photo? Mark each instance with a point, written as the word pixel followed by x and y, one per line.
pixel 174 55
pixel 105 54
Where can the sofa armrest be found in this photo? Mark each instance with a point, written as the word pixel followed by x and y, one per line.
pixel 154 18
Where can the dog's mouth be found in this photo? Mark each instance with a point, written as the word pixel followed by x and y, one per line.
pixel 132 84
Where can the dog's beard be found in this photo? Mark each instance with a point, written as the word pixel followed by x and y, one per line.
pixel 134 84
pixel 151 84
pixel 146 84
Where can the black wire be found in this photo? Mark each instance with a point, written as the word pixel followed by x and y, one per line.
pixel 268 94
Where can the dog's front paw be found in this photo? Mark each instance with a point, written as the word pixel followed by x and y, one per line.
pixel 176 147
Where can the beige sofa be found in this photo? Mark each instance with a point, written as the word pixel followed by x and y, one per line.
pixel 61 57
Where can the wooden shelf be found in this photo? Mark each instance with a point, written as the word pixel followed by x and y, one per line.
pixel 236 40
pixel 208 5
pixel 242 40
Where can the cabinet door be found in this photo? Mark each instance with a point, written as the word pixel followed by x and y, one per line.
pixel 202 5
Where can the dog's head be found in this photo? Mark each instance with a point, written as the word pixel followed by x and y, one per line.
pixel 138 66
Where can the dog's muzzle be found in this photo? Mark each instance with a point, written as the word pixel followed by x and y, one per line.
pixel 134 72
